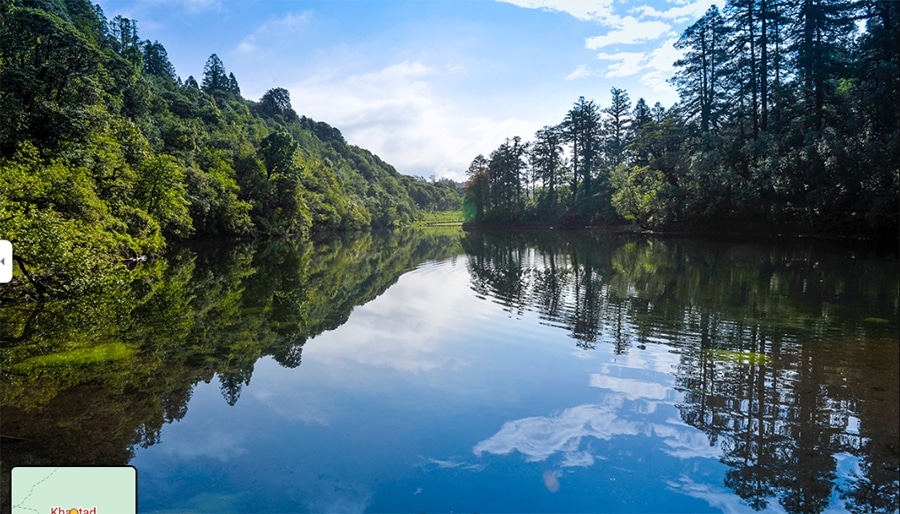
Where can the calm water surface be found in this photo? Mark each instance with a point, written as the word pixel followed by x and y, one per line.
pixel 438 371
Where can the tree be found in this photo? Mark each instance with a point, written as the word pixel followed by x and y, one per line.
pixel 124 35
pixel 819 42
pixel 699 78
pixel 640 116
pixel 581 128
pixel 505 178
pixel 477 197
pixel 214 77
pixel 277 102
pixel 743 16
pixel 278 150
pixel 156 61
pixel 547 162
pixel 233 85
pixel 47 75
pixel 658 112
pixel 161 193
pixel 636 194
pixel 617 125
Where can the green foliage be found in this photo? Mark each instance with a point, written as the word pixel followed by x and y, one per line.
pixel 66 241
pixel 637 191
pixel 106 154
pixel 160 191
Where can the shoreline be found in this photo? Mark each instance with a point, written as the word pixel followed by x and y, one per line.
pixel 722 231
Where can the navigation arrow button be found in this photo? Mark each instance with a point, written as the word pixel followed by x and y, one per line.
pixel 6 261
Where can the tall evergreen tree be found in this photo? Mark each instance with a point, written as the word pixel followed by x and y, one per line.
pixel 477 200
pixel 547 162
pixel 641 115
pixel 582 129
pixel 233 85
pixel 699 78
pixel 617 124
pixel 214 77
pixel 819 44
pixel 156 61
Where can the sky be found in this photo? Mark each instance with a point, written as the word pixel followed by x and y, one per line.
pixel 427 85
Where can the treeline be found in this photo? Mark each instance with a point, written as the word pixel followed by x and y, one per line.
pixel 106 154
pixel 787 116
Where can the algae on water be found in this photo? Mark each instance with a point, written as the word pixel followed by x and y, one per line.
pixel 739 357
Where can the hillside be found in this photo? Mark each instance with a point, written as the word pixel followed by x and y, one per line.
pixel 106 155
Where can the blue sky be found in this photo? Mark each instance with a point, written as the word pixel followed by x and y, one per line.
pixel 427 84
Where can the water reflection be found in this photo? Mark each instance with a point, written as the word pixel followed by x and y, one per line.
pixel 787 359
pixel 91 380
pixel 574 370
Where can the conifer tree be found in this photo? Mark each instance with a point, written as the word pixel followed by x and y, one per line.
pixel 214 77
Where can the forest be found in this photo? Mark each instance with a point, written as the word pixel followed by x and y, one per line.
pixel 787 119
pixel 108 157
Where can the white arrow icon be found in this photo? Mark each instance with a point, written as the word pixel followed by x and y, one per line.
pixel 6 261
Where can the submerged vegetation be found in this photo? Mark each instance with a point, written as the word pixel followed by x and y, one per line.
pixel 787 117
pixel 106 155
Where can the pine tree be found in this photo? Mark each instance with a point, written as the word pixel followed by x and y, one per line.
pixel 641 115
pixel 547 162
pixel 214 77
pixel 699 78
pixel 581 127
pixel 156 61
pixel 819 43
pixel 233 85
pixel 617 125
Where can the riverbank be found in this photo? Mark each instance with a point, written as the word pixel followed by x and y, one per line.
pixel 725 230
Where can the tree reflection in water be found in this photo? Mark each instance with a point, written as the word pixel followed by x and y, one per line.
pixel 86 381
pixel 788 355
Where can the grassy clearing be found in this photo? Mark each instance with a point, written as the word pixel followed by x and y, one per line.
pixel 440 217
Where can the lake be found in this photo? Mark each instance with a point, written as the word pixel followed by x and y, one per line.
pixel 438 370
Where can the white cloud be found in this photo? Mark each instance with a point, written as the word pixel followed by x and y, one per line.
pixel 661 65
pixel 631 388
pixel 629 31
pixel 540 437
pixel 285 399
pixel 247 46
pixel 684 442
pixel 651 66
pixel 584 10
pixel 395 113
pixel 266 33
pixel 688 12
pixel 221 445
pixel 580 72
pixel 389 332
pixel 654 67
pixel 717 497
pixel 454 462
pixel 629 63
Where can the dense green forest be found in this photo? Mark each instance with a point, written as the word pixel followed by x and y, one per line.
pixel 107 156
pixel 788 117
